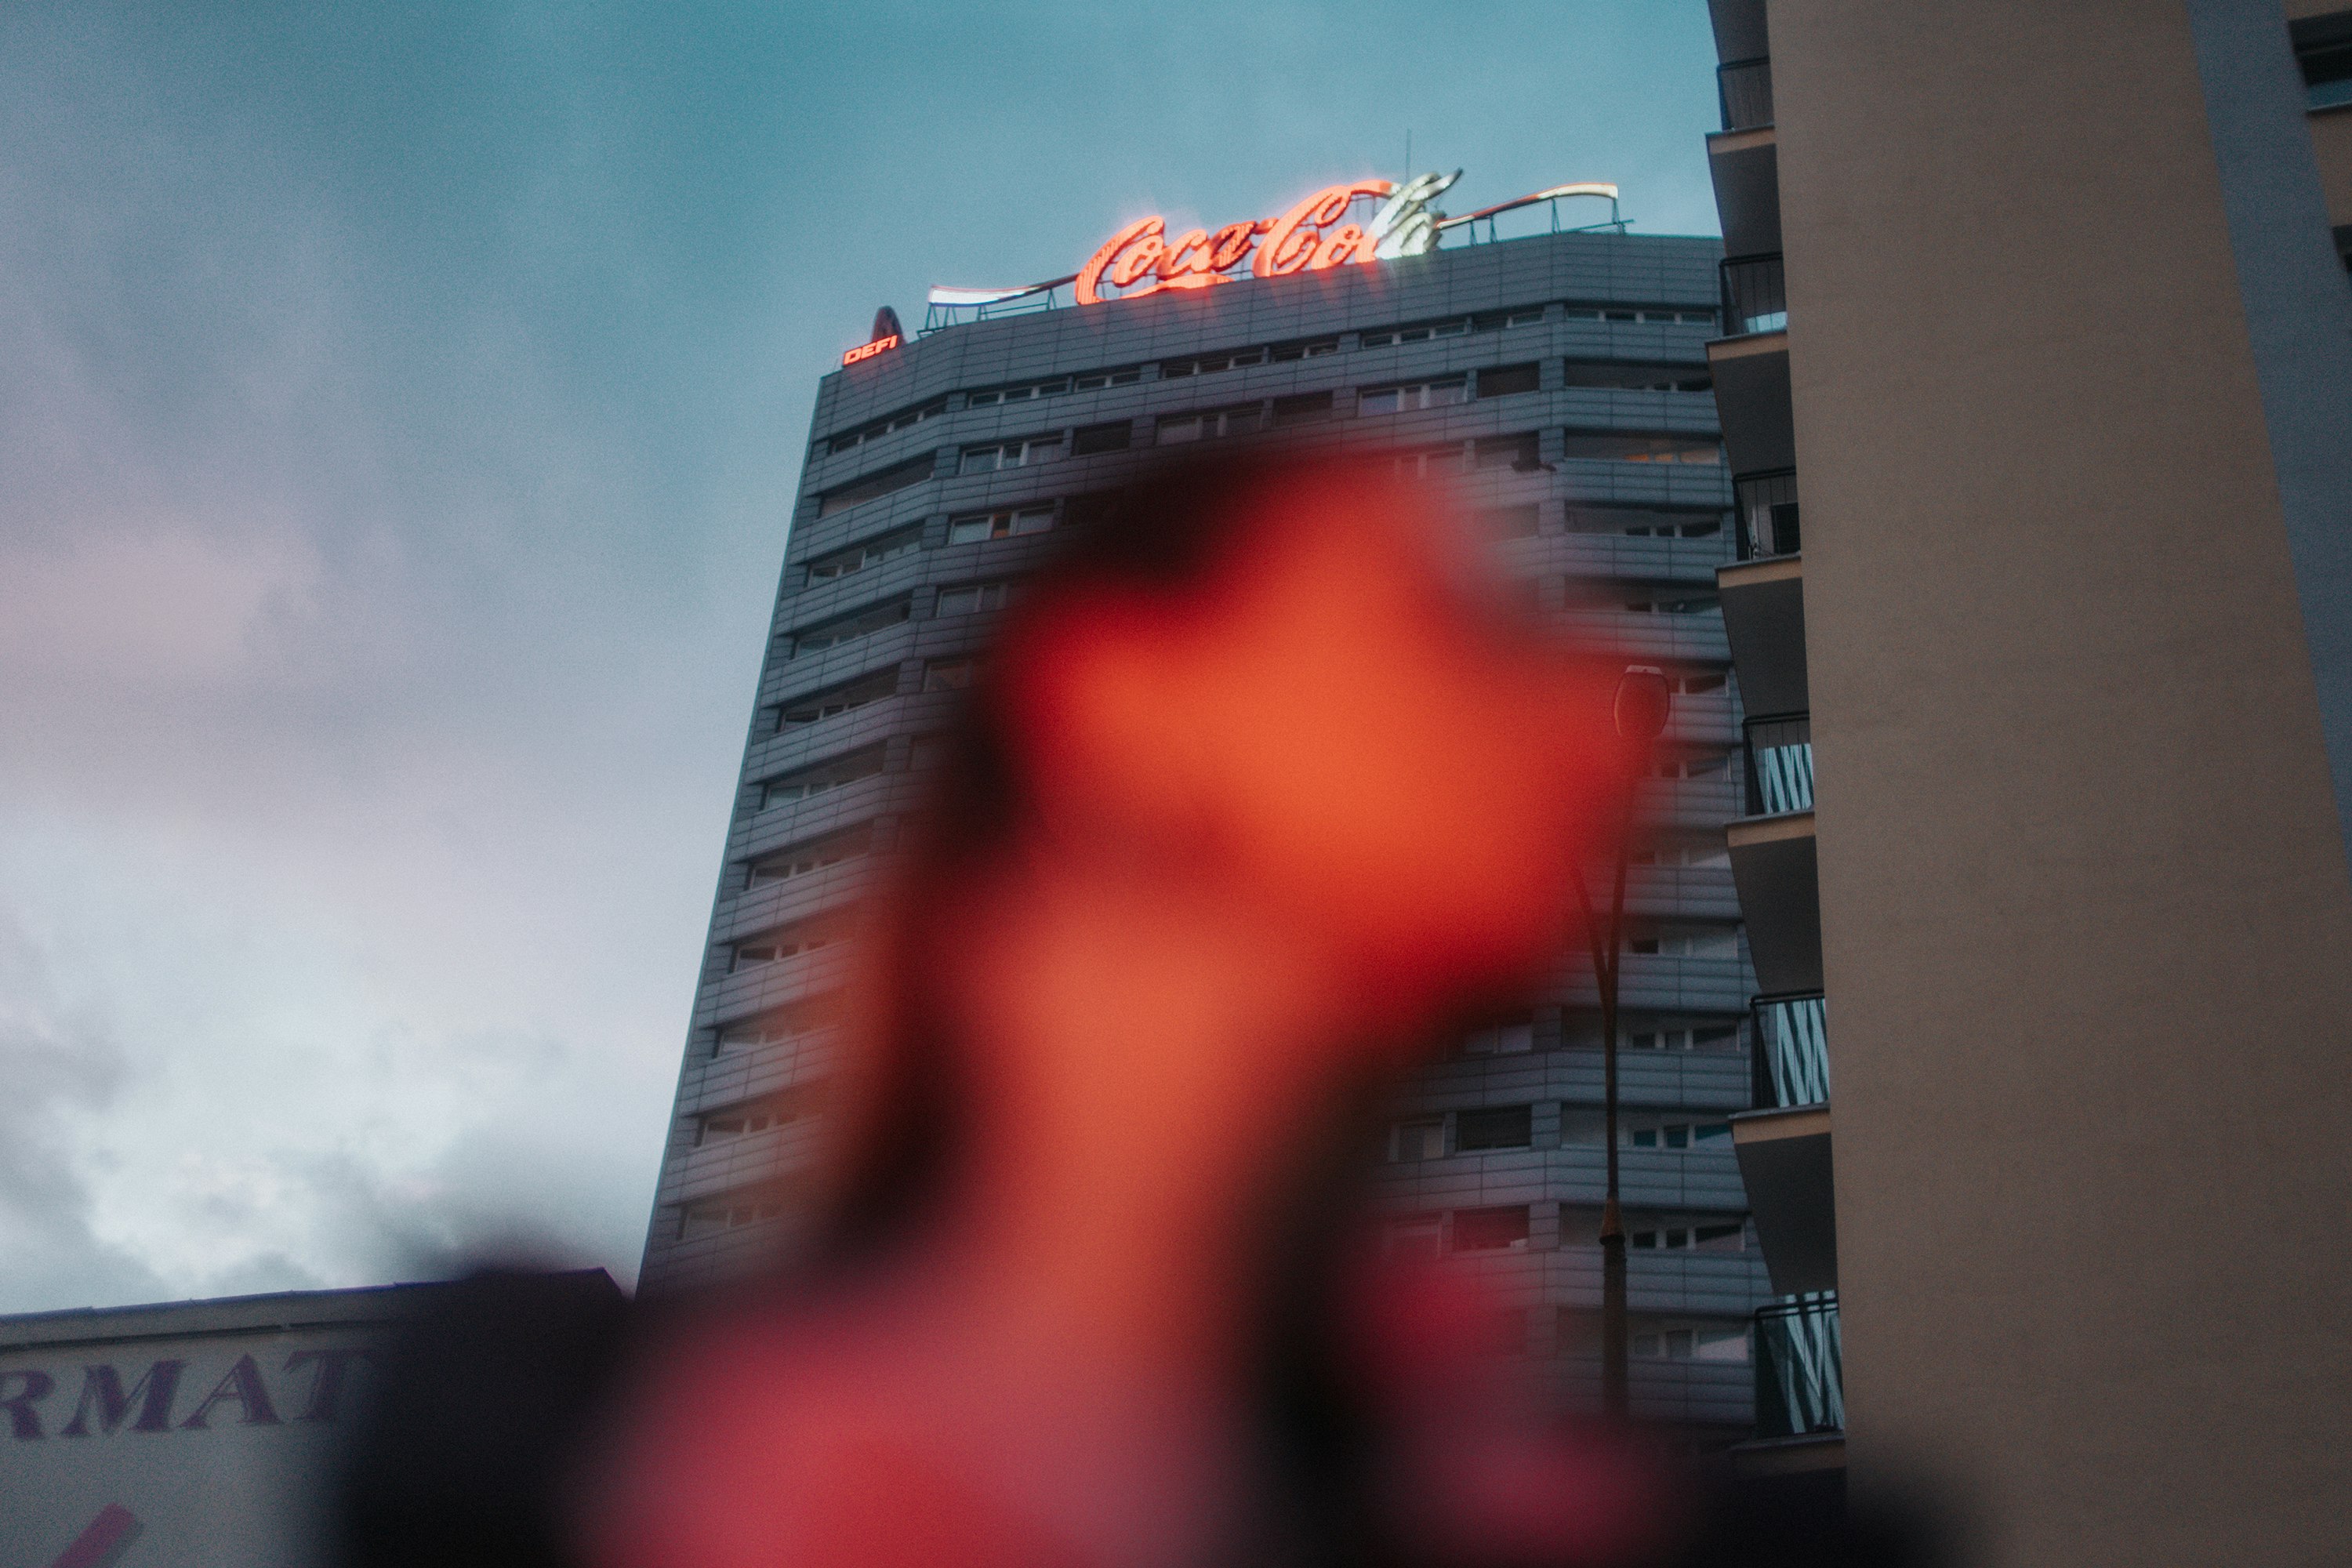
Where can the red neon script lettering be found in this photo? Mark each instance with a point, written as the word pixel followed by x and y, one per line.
pixel 868 351
pixel 1140 259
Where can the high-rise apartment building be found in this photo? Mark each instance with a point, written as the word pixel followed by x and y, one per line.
pixel 2036 394
pixel 1561 380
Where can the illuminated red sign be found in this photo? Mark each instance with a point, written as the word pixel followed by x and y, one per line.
pixel 1141 260
pixel 868 351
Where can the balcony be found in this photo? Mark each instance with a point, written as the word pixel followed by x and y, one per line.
pixel 1755 295
pixel 1751 396
pixel 1785 1162
pixel 1800 1376
pixel 1765 509
pixel 1777 764
pixel 1764 626
pixel 1774 867
pixel 1743 163
pixel 1744 90
pixel 1789 1062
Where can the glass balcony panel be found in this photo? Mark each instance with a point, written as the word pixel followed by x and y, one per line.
pixel 1792 1056
pixel 1799 1374
pixel 1744 88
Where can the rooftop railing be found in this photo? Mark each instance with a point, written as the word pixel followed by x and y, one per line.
pixel 1755 295
pixel 1744 88
pixel 1790 1054
pixel 1800 1376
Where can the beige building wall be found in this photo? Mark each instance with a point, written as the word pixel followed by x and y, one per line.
pixel 2086 919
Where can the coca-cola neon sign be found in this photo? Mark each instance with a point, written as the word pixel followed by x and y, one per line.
pixel 1316 235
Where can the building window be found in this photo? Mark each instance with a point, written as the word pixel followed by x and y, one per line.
pixel 968 598
pixel 2323 47
pixel 741 1121
pixel 1696 683
pixel 1239 420
pixel 869 552
pixel 1631 376
pixel 977 526
pixel 1509 1038
pixel 1703 766
pixel 875 486
pixel 818 778
pixel 1303 408
pixel 1095 380
pixel 893 423
pixel 1422 1139
pixel 1651 313
pixel 1516 452
pixel 1408 396
pixel 1029 392
pixel 1312 348
pixel 1644 522
pixel 1692 1038
pixel 777 1026
pixel 1115 437
pixel 834 701
pixel 1493 1127
pixel 1639 447
pixel 1671 601
pixel 715 1216
pixel 849 627
pixel 1507 380
pixel 1720 1236
pixel 1491 1229
pixel 784 942
pixel 1654 1341
pixel 1684 941
pixel 814 855
pixel 1678 1136
pixel 951 674
pixel 1025 453
pixel 1516 521
pixel 1209 365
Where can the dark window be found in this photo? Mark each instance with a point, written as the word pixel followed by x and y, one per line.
pixel 1490 1230
pixel 1642 447
pixel 951 674
pixel 836 699
pixel 817 778
pixel 979 526
pixel 1314 348
pixel 846 627
pixel 1095 380
pixel 874 486
pixel 1028 393
pixel 1506 452
pixel 1111 438
pixel 1503 381
pixel 865 553
pixel 1631 376
pixel 1493 1127
pixel 811 855
pixel 1303 408
pixel 1209 365
pixel 784 942
pixel 967 598
pixel 2323 47
pixel 779 1025
pixel 885 425
pixel 1519 521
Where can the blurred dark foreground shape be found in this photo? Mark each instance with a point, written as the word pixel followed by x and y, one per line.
pixel 1267 786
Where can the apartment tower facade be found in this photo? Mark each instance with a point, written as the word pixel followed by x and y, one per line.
pixel 1561 380
pixel 2036 391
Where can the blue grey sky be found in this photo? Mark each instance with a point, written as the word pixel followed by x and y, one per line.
pixel 400 407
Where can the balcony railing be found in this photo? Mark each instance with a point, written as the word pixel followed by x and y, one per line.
pixel 1767 507
pixel 1800 1382
pixel 1778 758
pixel 1755 295
pixel 1745 90
pixel 1790 1060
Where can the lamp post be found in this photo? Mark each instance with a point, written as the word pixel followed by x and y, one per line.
pixel 1643 702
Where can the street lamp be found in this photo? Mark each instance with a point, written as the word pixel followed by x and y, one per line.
pixel 1644 700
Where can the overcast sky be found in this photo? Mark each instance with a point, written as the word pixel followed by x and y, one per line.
pixel 399 410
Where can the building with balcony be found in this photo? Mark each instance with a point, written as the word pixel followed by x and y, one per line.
pixel 1561 379
pixel 2036 396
